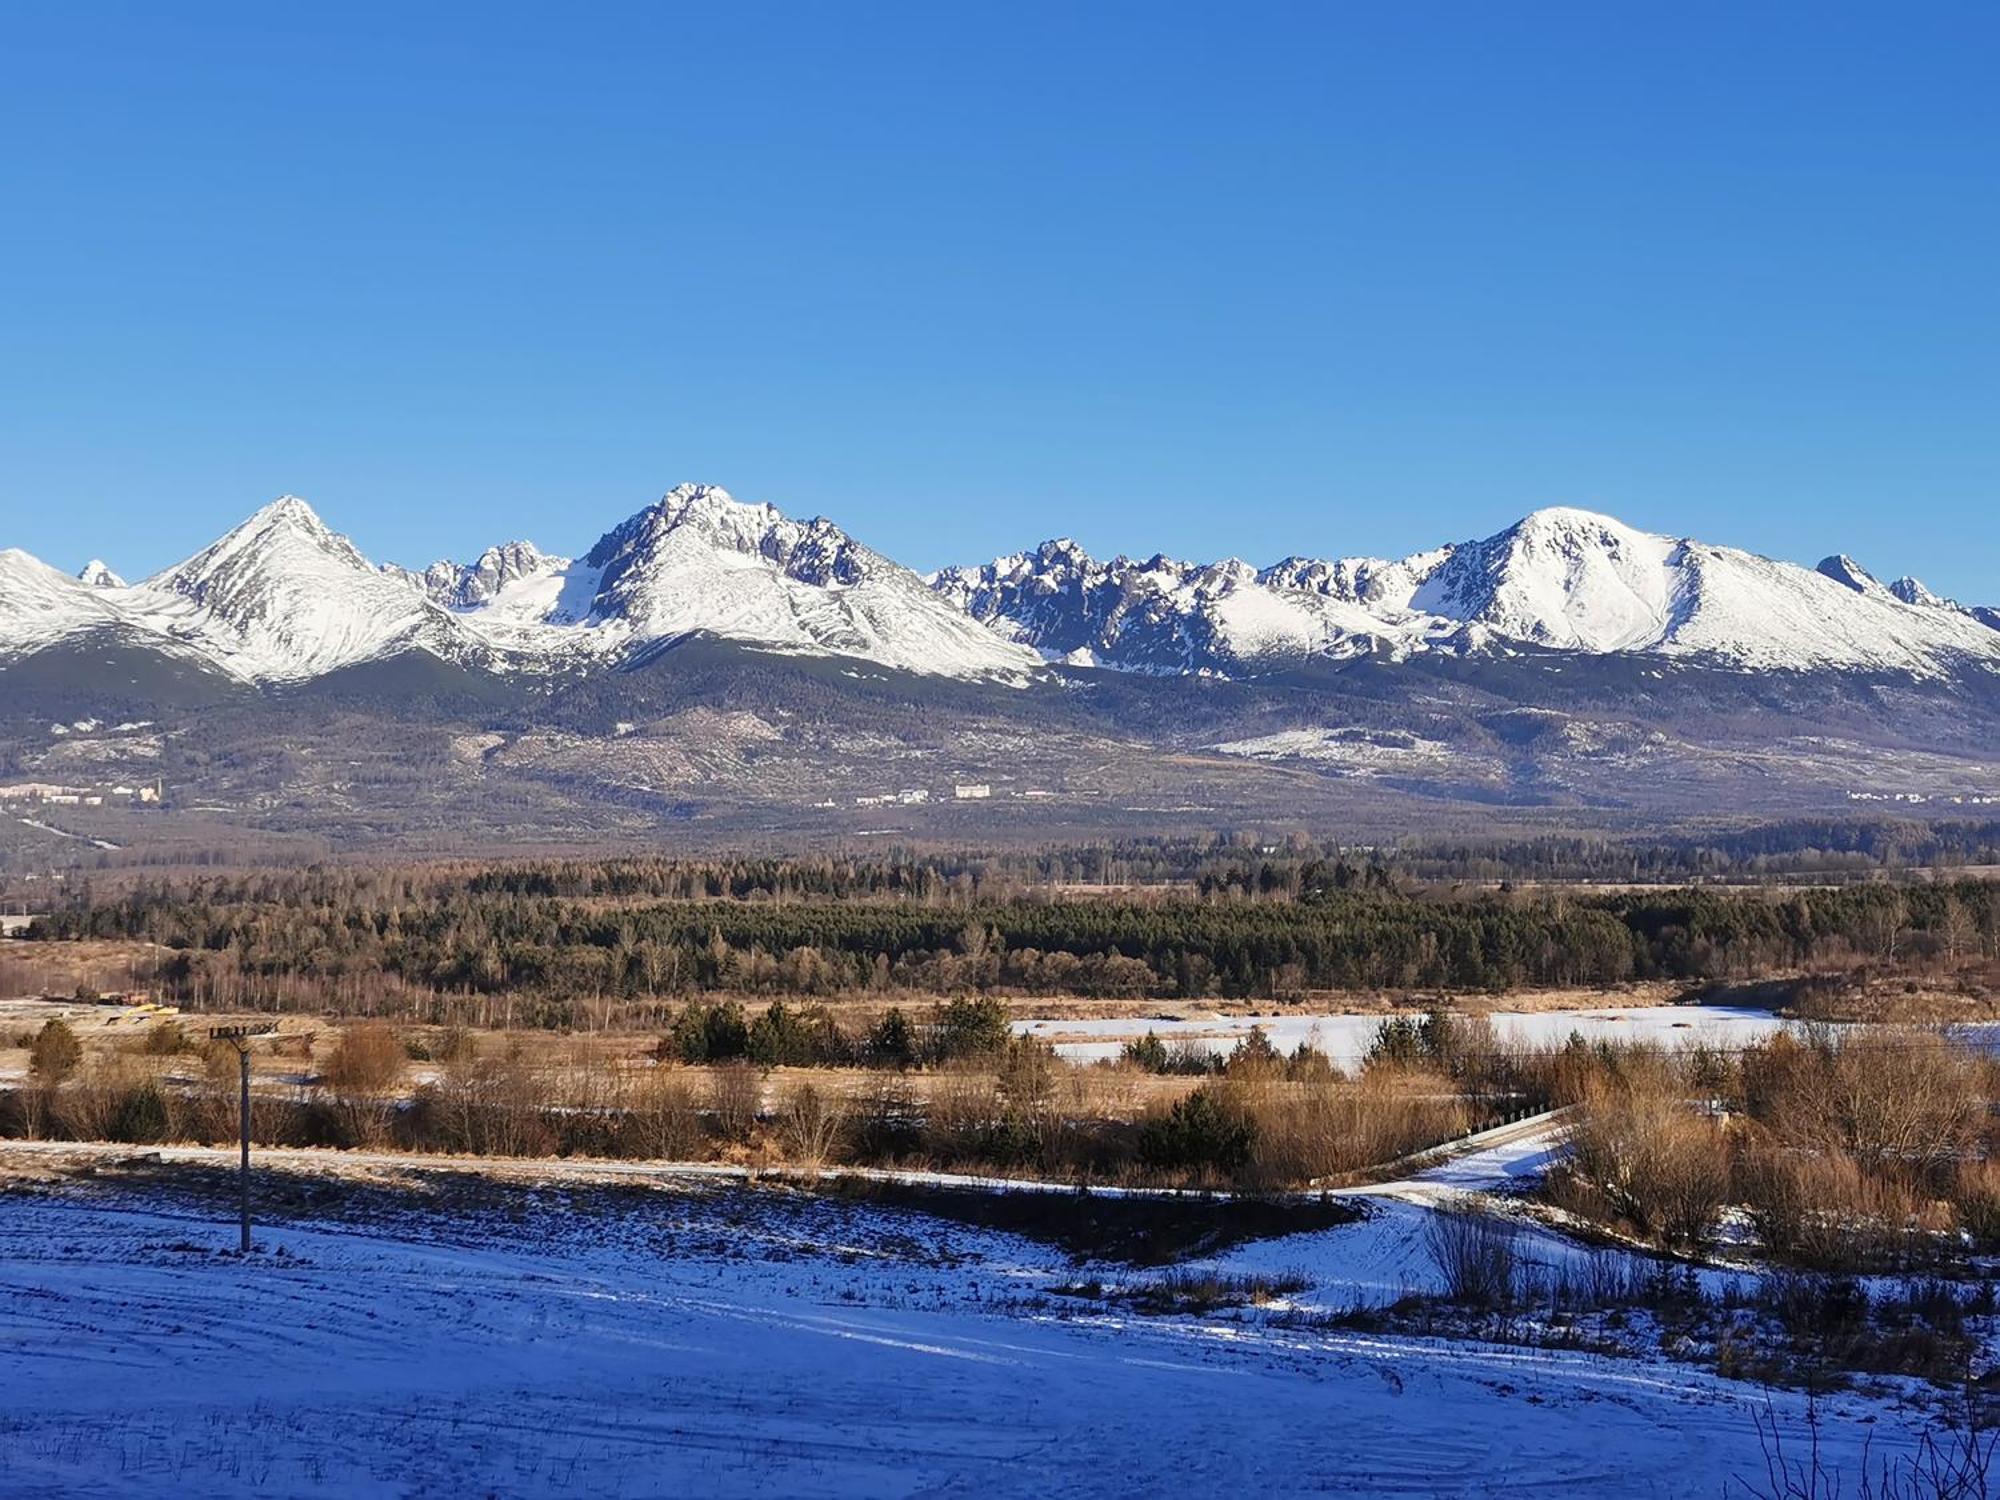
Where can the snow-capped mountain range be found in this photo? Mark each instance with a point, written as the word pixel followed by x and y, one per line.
pixel 1560 579
pixel 283 598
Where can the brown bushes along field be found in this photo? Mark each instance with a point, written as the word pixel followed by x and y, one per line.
pixel 1000 1104
pixel 1869 1149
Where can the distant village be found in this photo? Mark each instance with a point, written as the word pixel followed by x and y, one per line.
pixel 55 794
pixel 917 796
pixel 1952 798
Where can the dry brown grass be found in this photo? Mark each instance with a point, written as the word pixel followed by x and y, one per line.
pixel 604 1095
pixel 1306 1131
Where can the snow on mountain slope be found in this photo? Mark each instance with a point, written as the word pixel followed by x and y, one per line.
pixel 702 561
pixel 282 598
pixel 1156 616
pixel 1578 581
pixel 97 575
pixel 471 585
pixel 1562 579
pixel 40 604
pixel 1912 591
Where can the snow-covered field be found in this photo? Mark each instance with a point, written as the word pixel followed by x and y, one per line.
pixel 1346 1038
pixel 706 1339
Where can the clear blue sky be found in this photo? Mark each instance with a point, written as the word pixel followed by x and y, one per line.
pixel 1230 278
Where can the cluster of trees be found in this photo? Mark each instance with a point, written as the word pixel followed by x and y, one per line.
pixel 1820 848
pixel 819 928
pixel 714 1031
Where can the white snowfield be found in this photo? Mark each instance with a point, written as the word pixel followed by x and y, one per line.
pixel 1561 578
pixel 1346 1038
pixel 284 598
pixel 724 1341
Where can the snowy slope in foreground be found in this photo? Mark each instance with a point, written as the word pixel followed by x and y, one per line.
pixel 762 1342
pixel 1560 579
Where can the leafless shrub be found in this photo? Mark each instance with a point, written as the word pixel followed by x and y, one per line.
pixel 1889 1097
pixel 889 1124
pixel 163 1039
pixel 735 1096
pixel 490 1106
pixel 663 1117
pixel 367 1060
pixel 115 1099
pixel 811 1126
pixel 1474 1256
pixel 1826 1209
pixel 964 1108
pixel 1958 1459
pixel 1656 1162
pixel 1978 1193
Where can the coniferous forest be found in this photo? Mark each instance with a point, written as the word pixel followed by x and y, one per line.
pixel 1237 928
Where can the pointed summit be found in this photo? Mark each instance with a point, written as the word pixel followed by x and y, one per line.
pixel 1912 591
pixel 1848 573
pixel 700 561
pixel 284 596
pixel 285 535
pixel 97 575
pixel 291 508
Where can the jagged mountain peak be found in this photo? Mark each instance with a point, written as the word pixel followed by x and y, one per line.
pixel 282 597
pixel 465 586
pixel 694 520
pixel 719 519
pixel 701 561
pixel 290 508
pixel 96 574
pixel 1848 573
pixel 286 533
pixel 1912 591
pixel 1562 578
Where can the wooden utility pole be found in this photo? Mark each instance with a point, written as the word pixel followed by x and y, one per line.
pixel 241 1036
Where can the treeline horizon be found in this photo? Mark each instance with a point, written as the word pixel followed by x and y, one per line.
pixel 1817 849
pixel 564 931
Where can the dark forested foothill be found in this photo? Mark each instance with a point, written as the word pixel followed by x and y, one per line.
pixel 636 930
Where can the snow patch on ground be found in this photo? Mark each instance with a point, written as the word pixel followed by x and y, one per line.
pixel 1357 751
